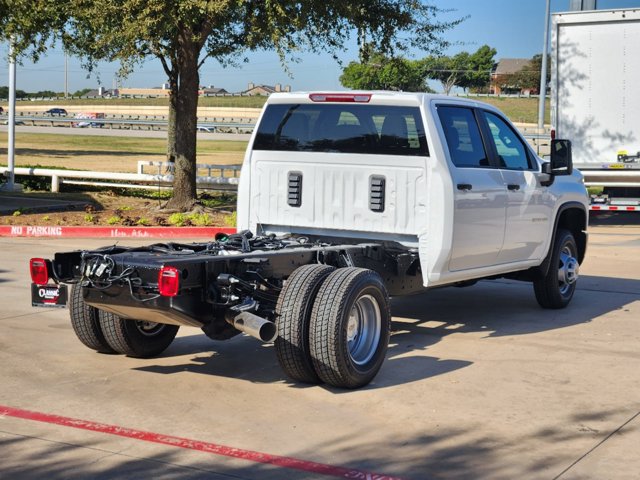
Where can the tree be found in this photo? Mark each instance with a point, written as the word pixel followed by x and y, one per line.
pixel 82 92
pixel 4 93
pixel 481 64
pixel 385 73
pixel 184 34
pixel 30 25
pixel 449 71
pixel 465 70
pixel 528 77
pixel 46 94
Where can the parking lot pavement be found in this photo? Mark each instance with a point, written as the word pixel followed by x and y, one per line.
pixel 479 383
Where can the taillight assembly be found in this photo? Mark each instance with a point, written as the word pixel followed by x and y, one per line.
pixel 169 281
pixel 340 97
pixel 39 271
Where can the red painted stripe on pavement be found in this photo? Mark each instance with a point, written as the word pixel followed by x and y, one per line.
pixel 111 232
pixel 216 449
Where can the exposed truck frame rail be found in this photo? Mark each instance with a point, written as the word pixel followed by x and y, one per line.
pixel 241 273
pixel 235 284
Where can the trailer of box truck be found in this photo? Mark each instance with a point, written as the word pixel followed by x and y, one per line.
pixel 595 100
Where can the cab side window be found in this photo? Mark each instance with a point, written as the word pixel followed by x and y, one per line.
pixel 463 137
pixel 512 153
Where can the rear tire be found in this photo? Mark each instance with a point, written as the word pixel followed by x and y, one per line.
pixel 136 338
pixel 349 329
pixel 555 290
pixel 85 322
pixel 293 312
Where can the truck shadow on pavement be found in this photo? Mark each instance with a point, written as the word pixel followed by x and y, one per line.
pixel 490 308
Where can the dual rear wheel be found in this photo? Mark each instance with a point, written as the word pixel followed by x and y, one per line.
pixel 333 325
pixel 105 332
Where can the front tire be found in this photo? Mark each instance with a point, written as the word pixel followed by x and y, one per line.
pixel 85 322
pixel 136 338
pixel 293 312
pixel 555 290
pixel 349 329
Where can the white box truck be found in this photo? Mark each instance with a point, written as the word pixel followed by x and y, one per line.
pixel 595 100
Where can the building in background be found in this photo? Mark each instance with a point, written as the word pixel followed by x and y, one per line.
pixel 211 91
pixel 266 90
pixel 504 74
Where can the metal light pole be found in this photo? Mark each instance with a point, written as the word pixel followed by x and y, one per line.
pixel 543 73
pixel 11 186
pixel 66 76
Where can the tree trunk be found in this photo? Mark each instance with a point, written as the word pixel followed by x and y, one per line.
pixel 186 116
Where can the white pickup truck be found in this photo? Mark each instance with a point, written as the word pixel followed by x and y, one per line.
pixel 345 198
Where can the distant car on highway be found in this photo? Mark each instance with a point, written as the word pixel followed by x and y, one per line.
pixel 204 128
pixel 88 124
pixel 57 111
pixel 88 119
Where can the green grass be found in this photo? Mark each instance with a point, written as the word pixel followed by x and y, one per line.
pixel 523 110
pixel 122 145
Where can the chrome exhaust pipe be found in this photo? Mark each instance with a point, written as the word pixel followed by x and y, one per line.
pixel 255 326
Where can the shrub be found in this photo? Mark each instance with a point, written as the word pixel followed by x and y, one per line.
pixel 231 220
pixel 177 219
pixel 201 219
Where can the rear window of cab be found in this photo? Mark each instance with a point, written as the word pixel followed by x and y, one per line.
pixel 342 128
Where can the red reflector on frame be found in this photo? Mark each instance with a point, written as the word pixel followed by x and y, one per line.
pixel 168 281
pixel 38 270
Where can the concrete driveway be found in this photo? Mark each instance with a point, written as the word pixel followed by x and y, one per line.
pixel 479 383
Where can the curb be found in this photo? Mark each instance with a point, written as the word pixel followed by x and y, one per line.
pixel 112 232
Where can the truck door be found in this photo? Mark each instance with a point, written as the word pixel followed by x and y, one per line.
pixel 527 213
pixel 479 192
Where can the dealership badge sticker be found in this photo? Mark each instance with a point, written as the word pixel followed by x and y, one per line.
pixel 49 295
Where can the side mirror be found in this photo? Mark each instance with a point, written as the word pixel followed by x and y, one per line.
pixel 561 158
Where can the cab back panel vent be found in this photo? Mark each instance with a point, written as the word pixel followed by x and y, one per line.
pixel 376 193
pixel 295 189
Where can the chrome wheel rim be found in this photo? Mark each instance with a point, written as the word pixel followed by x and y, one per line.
pixel 149 329
pixel 568 271
pixel 363 329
